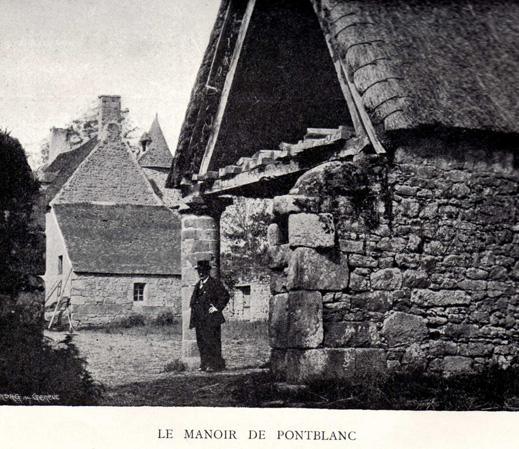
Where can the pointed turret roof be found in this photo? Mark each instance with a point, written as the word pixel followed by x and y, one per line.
pixel 157 153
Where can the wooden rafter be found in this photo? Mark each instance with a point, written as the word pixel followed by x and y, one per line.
pixel 361 121
pixel 204 166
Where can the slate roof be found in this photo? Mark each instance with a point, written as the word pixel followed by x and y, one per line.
pixel 109 174
pixel 157 154
pixel 122 239
pixel 62 168
pixel 413 63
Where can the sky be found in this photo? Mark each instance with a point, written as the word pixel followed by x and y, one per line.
pixel 58 56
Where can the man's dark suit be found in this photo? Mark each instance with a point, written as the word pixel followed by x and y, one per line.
pixel 208 325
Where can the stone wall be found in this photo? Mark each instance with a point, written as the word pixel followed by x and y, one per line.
pixel 102 299
pixel 410 261
pixel 252 308
pixel 199 241
pixel 55 248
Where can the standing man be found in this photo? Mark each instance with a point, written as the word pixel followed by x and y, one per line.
pixel 207 303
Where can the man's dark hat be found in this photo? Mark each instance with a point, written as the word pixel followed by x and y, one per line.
pixel 203 265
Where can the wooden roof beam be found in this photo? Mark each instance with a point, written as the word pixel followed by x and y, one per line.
pixel 206 160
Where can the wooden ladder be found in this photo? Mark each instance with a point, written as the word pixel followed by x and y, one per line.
pixel 60 298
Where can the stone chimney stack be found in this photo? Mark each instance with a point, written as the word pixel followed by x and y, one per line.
pixel 58 143
pixel 109 117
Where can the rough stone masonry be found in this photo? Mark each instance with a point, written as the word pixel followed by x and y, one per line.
pixel 405 262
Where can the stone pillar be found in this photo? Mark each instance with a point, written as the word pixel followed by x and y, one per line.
pixel 200 240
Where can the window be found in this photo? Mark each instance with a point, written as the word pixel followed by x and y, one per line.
pixel 60 264
pixel 242 301
pixel 138 291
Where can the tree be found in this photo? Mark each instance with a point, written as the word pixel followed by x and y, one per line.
pixel 244 238
pixel 86 126
pixel 19 234
pixel 28 364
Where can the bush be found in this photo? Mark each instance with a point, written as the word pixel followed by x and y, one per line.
pixel 176 366
pixel 30 365
pixel 166 319
pixel 130 321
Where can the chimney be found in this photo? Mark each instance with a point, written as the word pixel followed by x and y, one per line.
pixel 109 117
pixel 58 143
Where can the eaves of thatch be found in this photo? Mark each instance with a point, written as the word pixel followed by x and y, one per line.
pixel 448 63
pixel 402 64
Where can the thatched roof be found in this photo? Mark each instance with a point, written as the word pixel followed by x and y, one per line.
pixel 452 64
pixel 435 62
pixel 157 153
pixel 188 155
pixel 120 239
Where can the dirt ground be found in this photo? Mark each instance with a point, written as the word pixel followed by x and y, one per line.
pixel 135 364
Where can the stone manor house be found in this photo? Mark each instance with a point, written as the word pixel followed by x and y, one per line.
pixel 386 133
pixel 112 229
pixel 112 245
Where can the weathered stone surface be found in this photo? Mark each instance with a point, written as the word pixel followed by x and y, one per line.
pixel 457 365
pixel 357 260
pixel 305 319
pixel 404 329
pixel 278 282
pixel 429 211
pixel 372 301
pixel 352 246
pixel 370 362
pixel 295 320
pixel 278 321
pixel 335 311
pixel 335 297
pixel 440 298
pixel 414 243
pixel 311 230
pixel 414 357
pixel 460 331
pixel 476 273
pixel 409 208
pixel 293 204
pixel 311 270
pixel 416 279
pixel 453 242
pixel 274 235
pixel 386 279
pixel 278 363
pixel 362 334
pixel 303 366
pixel 314 364
pixel 279 256
pixel 359 282
pixel 472 285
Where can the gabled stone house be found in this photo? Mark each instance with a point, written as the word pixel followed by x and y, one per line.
pixel 395 243
pixel 113 247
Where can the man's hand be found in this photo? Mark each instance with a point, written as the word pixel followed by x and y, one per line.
pixel 213 309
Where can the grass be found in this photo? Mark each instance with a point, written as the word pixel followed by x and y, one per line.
pixel 170 325
pixel 495 389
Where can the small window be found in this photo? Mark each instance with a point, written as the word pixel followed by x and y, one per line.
pixel 242 301
pixel 60 264
pixel 138 291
